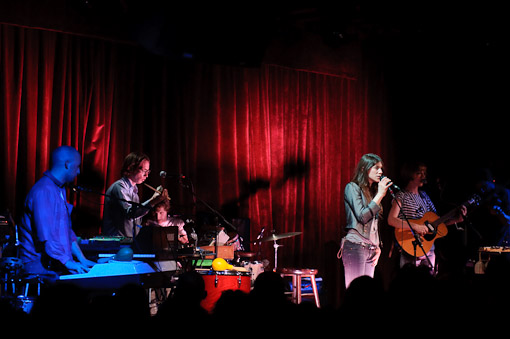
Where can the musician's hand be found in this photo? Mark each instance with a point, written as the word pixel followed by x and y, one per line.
pixel 75 267
pixel 462 213
pixel 420 229
pixel 159 197
pixel 496 210
pixel 87 263
pixel 157 194
pixel 375 259
pixel 382 186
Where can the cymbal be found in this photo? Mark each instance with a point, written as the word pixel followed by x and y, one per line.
pixel 274 237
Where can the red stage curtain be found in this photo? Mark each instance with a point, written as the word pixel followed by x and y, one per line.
pixel 271 143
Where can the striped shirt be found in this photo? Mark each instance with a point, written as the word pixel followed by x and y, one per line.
pixel 414 205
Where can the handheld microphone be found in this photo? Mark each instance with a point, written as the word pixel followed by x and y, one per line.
pixel 394 186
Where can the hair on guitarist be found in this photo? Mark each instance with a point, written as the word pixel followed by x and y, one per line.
pixel 414 204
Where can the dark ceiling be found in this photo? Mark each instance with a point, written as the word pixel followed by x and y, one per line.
pixel 197 26
pixel 446 62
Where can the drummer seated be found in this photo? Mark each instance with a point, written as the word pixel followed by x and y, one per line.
pixel 159 216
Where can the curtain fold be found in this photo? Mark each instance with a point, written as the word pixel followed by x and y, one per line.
pixel 272 144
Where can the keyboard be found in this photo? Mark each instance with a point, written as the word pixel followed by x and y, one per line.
pixel 115 274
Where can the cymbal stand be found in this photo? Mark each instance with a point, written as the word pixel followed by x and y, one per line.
pixel 259 243
pixel 275 246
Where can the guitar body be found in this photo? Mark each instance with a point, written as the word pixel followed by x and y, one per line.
pixel 405 237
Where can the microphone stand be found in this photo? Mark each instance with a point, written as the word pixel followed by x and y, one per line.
pixel 417 240
pixel 217 213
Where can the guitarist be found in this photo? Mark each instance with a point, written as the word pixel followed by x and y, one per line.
pixel 414 203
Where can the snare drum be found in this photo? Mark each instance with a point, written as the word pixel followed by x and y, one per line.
pixel 216 282
pixel 255 268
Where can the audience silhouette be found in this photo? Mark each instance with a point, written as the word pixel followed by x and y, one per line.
pixel 414 300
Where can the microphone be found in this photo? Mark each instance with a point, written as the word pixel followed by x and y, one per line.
pixel 395 186
pixel 260 234
pixel 164 174
pixel 77 188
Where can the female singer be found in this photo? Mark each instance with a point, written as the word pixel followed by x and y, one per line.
pixel 360 249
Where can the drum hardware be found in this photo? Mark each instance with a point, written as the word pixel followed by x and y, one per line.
pixel 11 268
pixel 274 238
pixel 255 268
pixel 216 282
pixel 19 289
pixel 216 279
pixel 10 264
pixel 37 279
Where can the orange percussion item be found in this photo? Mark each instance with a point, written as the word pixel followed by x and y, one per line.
pixel 216 282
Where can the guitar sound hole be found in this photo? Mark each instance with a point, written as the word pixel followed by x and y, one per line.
pixel 432 231
pixel 429 237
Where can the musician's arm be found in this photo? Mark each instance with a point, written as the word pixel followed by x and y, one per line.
pixel 83 264
pixel 502 206
pixel 395 221
pixel 459 217
pixel 502 216
pixel 157 197
pixel 353 197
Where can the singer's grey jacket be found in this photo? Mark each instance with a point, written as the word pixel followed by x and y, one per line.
pixel 359 213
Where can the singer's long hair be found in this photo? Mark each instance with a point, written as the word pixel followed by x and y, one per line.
pixel 360 176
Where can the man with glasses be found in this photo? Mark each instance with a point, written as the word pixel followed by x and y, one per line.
pixel 123 211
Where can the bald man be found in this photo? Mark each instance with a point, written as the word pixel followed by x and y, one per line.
pixel 47 242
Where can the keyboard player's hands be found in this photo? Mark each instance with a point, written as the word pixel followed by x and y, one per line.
pixel 75 267
pixel 87 263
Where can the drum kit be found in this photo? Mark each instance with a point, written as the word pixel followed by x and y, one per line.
pixel 255 267
pixel 274 238
pixel 218 280
pixel 17 288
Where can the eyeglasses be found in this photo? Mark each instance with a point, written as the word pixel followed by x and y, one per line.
pixel 146 172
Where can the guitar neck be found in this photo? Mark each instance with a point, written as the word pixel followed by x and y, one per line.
pixel 454 211
pixel 446 217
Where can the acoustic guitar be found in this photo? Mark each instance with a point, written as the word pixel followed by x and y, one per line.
pixel 437 229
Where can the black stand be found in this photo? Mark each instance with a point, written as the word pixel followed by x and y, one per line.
pixel 217 213
pixel 417 240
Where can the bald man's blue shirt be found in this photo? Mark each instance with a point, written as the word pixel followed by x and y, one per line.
pixel 46 223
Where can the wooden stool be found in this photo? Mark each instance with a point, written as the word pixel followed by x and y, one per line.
pixel 296 275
